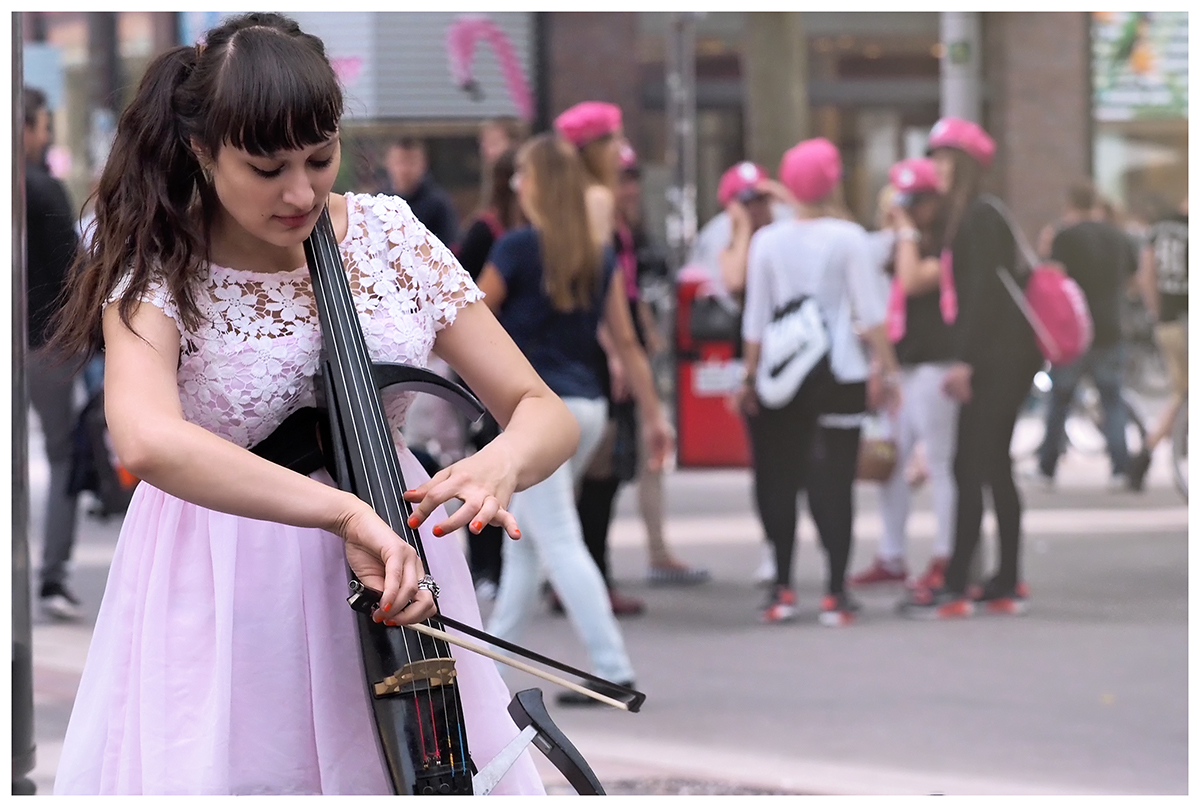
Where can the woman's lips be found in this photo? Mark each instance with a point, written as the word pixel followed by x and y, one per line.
pixel 295 221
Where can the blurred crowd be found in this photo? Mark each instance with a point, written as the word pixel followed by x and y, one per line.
pixel 915 357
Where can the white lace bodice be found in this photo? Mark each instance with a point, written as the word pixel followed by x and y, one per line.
pixel 252 361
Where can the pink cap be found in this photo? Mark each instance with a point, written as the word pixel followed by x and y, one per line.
pixel 956 133
pixel 914 176
pixel 740 182
pixel 811 169
pixel 591 120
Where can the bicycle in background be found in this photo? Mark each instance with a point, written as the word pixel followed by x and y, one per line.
pixel 1084 428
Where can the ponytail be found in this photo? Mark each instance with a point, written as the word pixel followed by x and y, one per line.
pixel 146 204
pixel 259 84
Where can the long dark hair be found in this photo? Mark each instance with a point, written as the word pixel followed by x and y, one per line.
pixel 502 200
pixel 963 189
pixel 258 83
pixel 571 259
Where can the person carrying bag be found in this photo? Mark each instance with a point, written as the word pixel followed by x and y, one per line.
pixel 804 391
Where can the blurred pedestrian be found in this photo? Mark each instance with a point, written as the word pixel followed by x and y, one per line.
pixel 595 128
pixel 1163 279
pixel 618 459
pixel 224 618
pixel 407 164
pixel 994 361
pixel 499 213
pixel 1100 258
pixel 749 198
pixel 551 286
pixel 922 308
pixel 52 244
pixel 811 281
pixel 717 234
pixel 496 136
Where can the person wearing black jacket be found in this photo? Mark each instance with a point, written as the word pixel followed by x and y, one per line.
pixel 51 247
pixel 1100 258
pixel 994 360
pixel 407 167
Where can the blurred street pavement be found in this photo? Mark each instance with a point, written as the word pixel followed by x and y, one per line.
pixel 1086 694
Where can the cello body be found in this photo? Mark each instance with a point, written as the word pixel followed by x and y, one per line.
pixel 411 678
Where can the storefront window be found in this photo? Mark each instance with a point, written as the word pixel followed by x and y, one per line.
pixel 1140 106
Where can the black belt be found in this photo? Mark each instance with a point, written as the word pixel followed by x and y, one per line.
pixel 297 442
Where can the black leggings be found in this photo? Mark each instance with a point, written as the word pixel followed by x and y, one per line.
pixel 983 459
pixel 793 453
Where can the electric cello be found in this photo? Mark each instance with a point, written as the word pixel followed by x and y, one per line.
pixel 411 674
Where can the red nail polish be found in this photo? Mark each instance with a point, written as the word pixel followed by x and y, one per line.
pixel 412 521
pixel 387 607
pixel 516 533
pixel 437 532
pixel 477 525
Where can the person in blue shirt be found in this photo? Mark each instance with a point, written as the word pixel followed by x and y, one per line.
pixel 552 285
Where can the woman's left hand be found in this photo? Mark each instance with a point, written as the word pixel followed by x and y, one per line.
pixel 883 392
pixel 483 482
pixel 659 438
pixel 957 382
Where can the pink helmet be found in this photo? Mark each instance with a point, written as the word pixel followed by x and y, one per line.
pixel 910 177
pixel 740 182
pixel 591 120
pixel 811 169
pixel 956 133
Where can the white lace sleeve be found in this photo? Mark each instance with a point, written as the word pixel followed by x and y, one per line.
pixel 156 294
pixel 442 284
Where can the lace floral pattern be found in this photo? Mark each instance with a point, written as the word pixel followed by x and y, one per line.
pixel 252 361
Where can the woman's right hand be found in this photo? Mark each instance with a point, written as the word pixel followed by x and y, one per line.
pixel 739 218
pixel 384 561
pixel 744 400
pixel 658 438
pixel 898 218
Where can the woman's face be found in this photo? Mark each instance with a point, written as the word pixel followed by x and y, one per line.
pixel 276 199
pixel 923 210
pixel 943 163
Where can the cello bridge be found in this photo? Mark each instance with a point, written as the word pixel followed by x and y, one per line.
pixel 435 672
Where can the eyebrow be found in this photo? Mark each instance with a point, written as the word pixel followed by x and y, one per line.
pixel 274 155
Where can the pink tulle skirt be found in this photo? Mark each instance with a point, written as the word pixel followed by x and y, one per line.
pixel 225 660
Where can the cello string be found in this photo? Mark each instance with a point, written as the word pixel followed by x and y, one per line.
pixel 342 303
pixel 385 450
pixel 326 290
pixel 371 408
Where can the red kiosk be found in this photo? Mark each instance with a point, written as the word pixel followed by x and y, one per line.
pixel 711 435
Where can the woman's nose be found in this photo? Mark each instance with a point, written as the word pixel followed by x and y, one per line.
pixel 299 192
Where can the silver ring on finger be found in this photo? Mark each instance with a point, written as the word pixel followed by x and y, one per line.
pixel 429 585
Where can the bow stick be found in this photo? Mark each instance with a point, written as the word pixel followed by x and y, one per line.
pixel 366 600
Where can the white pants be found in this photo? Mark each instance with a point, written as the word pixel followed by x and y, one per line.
pixel 551 537
pixel 930 416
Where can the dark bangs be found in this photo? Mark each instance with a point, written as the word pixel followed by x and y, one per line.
pixel 273 93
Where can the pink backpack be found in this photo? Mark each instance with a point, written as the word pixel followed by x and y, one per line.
pixel 1052 302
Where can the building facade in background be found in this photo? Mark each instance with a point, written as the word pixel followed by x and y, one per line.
pixel 1066 95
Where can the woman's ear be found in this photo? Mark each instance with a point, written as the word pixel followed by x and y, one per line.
pixel 202 156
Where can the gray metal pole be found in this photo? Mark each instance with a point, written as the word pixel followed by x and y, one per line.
pixel 24 752
pixel 681 139
pixel 961 66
